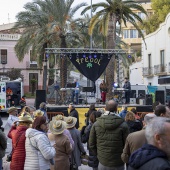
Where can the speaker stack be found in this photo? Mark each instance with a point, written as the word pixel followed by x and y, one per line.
pixel 160 96
pixel 40 97
pixel 149 100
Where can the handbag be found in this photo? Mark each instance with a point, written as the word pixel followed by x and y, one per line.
pixel 73 165
pixel 9 156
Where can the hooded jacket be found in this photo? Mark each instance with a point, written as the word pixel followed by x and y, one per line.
pixel 148 157
pixel 107 139
pixel 38 150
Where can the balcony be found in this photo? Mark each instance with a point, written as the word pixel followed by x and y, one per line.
pixel 11 37
pixel 31 64
pixel 148 71
pixel 160 69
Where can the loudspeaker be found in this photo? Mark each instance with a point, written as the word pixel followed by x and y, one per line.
pixel 88 89
pixel 40 97
pixel 160 96
pixel 132 100
pixel 133 94
pixel 149 100
pixel 141 94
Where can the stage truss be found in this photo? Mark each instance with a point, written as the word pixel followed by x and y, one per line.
pixel 86 50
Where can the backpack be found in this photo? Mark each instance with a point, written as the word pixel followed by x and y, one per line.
pixel 83 135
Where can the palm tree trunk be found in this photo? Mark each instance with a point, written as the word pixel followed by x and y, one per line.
pixel 111 43
pixel 63 66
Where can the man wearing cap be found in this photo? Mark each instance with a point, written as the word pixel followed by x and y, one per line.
pixel 135 140
pixel 74 113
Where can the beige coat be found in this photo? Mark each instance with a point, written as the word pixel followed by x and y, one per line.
pixel 133 142
pixel 63 150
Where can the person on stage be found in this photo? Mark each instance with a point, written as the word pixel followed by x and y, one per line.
pixel 127 87
pixel 75 91
pixel 103 90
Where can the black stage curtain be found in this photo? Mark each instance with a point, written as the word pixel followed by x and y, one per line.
pixel 90 65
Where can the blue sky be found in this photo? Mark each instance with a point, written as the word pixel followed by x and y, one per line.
pixel 9 8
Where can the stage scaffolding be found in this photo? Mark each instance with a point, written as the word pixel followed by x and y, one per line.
pixel 67 52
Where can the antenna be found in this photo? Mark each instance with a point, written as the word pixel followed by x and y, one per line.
pixel 8 18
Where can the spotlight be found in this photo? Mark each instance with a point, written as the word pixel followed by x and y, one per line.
pixel 109 57
pixel 115 85
pixel 70 56
pixel 101 56
pixel 47 55
pixel 84 56
pixel 129 56
pixel 95 56
pixel 90 56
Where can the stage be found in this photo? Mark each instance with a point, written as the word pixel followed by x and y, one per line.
pixel 53 110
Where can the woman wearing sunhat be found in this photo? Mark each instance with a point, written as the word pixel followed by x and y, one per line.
pixel 17 134
pixel 66 132
pixel 62 145
pixel 39 151
pixel 78 146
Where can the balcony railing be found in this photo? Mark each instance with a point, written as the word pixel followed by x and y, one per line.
pixel 159 69
pixel 147 71
pixel 11 37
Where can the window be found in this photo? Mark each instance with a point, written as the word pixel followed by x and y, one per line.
pixel 149 61
pixel 32 58
pixel 126 34
pixel 133 33
pixel 162 57
pixel 3 56
pixel 141 15
pixel 33 86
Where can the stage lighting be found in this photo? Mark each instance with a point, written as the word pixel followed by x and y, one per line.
pixel 84 55
pixel 101 57
pixel 90 56
pixel 47 55
pixel 95 56
pixel 115 85
pixel 77 55
pixel 70 56
pixel 129 56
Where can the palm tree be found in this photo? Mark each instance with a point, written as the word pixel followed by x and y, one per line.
pixel 114 12
pixel 45 23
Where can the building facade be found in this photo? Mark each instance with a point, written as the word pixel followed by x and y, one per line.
pixel 156 56
pixel 8 59
pixel 130 34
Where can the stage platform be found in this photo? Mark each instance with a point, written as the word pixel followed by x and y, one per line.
pixel 53 110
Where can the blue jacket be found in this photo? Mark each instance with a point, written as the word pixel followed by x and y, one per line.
pixel 148 157
pixel 123 113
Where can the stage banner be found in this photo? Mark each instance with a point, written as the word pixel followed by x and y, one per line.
pixel 151 90
pixel 90 65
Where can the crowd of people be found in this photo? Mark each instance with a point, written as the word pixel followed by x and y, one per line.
pixel 115 141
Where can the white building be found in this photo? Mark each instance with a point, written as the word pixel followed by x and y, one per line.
pixel 156 56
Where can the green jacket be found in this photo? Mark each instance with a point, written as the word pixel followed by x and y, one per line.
pixel 3 144
pixel 107 139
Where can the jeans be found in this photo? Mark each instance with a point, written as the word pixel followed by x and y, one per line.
pixel 127 96
pixel 74 94
pixel 0 164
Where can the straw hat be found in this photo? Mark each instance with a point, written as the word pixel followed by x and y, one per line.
pixel 11 109
pixel 71 121
pixel 38 113
pixel 57 127
pixel 25 117
pixel 58 117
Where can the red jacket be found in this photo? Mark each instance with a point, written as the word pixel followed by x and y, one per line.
pixel 18 156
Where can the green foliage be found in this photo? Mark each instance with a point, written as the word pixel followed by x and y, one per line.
pixel 51 72
pixel 14 74
pixel 161 9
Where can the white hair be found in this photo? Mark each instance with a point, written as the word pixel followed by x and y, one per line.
pixel 156 126
pixel 148 117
